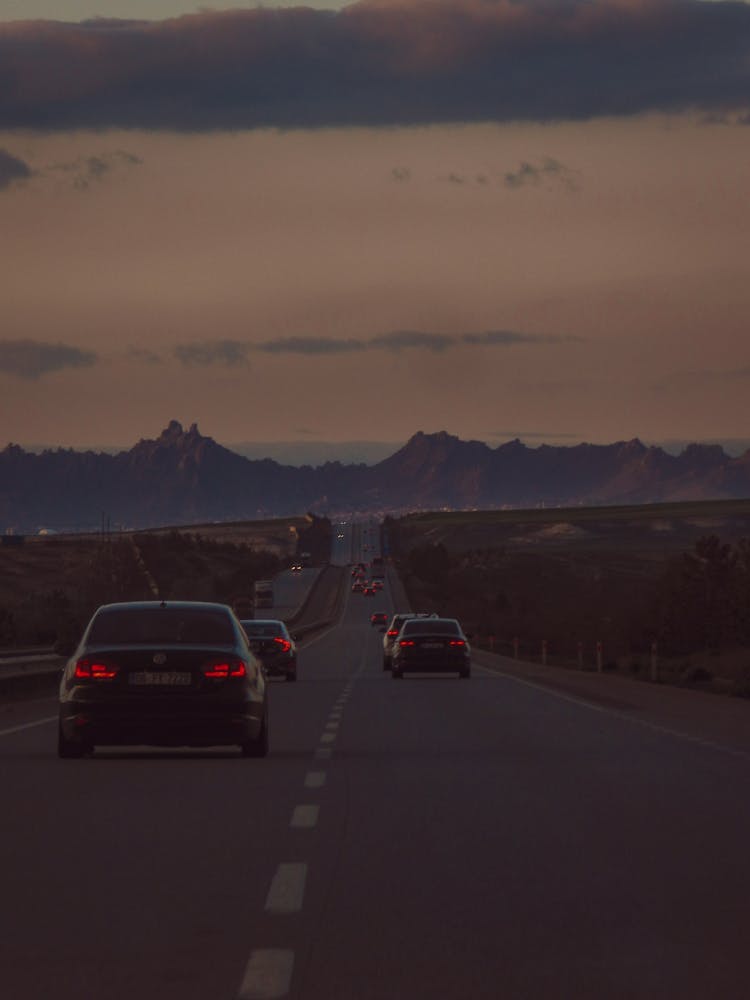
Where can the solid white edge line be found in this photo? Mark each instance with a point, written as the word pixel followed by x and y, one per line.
pixel 268 974
pixel 627 717
pixel 305 817
pixel 287 888
pixel 28 725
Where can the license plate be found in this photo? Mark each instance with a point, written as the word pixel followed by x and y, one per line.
pixel 161 678
pixel 432 645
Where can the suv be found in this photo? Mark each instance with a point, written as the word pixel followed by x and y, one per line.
pixel 393 630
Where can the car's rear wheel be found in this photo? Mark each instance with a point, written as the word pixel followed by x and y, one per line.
pixel 257 747
pixel 386 663
pixel 292 676
pixel 465 673
pixel 69 749
pixel 396 674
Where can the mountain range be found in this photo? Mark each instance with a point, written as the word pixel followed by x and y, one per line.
pixel 182 477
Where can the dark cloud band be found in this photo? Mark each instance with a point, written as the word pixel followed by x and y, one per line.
pixel 12 169
pixel 235 352
pixel 375 63
pixel 33 358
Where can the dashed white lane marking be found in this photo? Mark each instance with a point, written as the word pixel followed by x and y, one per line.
pixel 268 975
pixel 332 725
pixel 305 817
pixel 604 710
pixel 315 779
pixel 323 753
pixel 28 725
pixel 328 738
pixel 287 888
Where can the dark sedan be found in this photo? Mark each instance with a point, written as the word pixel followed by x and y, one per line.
pixel 431 645
pixel 271 642
pixel 176 673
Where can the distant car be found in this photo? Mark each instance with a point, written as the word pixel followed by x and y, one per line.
pixel 296 567
pixel 357 587
pixel 271 642
pixel 378 618
pixel 431 645
pixel 169 673
pixel 393 630
pixel 378 584
pixel 368 591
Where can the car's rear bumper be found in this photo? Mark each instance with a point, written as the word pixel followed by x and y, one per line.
pixel 430 665
pixel 154 725
pixel 279 668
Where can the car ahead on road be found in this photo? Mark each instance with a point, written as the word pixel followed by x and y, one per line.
pixel 393 630
pixel 379 618
pixel 169 673
pixel 296 567
pixel 431 645
pixel 273 645
pixel 357 587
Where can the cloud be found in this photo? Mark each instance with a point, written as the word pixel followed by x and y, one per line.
pixel 90 169
pixel 378 62
pixel 31 359
pixel 12 169
pixel 211 352
pixel 145 356
pixel 310 345
pixel 399 340
pixel 549 169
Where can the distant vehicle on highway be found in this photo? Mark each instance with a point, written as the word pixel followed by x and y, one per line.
pixel 170 673
pixel 393 630
pixel 379 618
pixel 271 642
pixel 431 645
pixel 296 567
pixel 263 593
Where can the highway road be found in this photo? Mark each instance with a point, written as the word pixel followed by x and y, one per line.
pixel 426 838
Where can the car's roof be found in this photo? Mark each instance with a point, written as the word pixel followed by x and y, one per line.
pixel 175 605
pixel 424 624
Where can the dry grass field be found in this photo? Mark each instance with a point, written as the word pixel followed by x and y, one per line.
pixel 52 583
pixel 625 577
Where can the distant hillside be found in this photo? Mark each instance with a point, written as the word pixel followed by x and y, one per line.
pixel 182 477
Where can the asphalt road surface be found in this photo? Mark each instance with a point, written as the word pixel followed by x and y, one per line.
pixel 425 838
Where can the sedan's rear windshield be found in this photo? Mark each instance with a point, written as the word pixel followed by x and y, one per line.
pixel 162 626
pixel 430 626
pixel 263 630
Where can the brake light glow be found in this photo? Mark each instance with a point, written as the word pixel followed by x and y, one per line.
pixel 392 631
pixel 456 642
pixel 406 642
pixel 284 643
pixel 223 670
pixel 90 670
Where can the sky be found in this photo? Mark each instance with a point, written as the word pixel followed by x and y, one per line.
pixel 499 218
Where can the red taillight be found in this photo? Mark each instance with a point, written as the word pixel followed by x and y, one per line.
pixel 392 631
pixel 406 642
pixel 456 642
pixel 284 643
pixel 90 670
pixel 223 670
